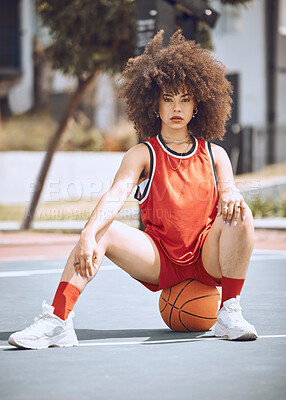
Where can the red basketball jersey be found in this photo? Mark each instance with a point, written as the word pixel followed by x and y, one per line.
pixel 178 206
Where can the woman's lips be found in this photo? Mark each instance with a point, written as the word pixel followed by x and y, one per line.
pixel 176 119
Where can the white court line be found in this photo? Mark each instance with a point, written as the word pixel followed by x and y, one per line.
pixel 88 344
pixel 257 255
pixel 199 338
pixel 267 257
pixel 43 257
pixel 108 267
pixel 23 258
pixel 14 274
pixel 265 251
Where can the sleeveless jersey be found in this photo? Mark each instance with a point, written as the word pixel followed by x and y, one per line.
pixel 178 207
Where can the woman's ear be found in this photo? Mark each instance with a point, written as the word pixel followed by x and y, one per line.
pixel 196 102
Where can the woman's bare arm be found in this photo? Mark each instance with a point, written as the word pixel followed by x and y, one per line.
pixel 127 176
pixel 124 182
pixel 231 204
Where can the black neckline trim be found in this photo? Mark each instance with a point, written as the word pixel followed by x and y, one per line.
pixel 173 151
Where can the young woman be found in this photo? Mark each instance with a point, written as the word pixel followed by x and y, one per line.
pixel 197 223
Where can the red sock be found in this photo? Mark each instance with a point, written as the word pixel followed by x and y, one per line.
pixel 230 288
pixel 65 298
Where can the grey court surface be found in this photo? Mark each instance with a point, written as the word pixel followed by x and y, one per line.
pixel 126 351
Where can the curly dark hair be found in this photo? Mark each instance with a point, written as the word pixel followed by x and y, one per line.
pixel 182 65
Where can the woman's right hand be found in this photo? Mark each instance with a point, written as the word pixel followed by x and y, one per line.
pixel 85 256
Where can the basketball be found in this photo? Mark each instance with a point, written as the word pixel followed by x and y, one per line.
pixel 190 306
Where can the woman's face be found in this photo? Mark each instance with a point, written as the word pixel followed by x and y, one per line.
pixel 176 111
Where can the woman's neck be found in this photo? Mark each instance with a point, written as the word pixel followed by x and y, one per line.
pixel 178 135
pixel 179 145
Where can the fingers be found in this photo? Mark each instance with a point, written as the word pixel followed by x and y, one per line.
pixel 222 209
pixel 243 208
pixel 229 213
pixel 85 266
pixel 232 212
pixel 231 207
pixel 225 211
pixel 89 268
pixel 237 213
pixel 83 269
pixel 219 208
pixel 76 264
pixel 85 257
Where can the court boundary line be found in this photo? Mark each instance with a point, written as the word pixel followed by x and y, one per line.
pixel 257 255
pixel 11 259
pixel 23 273
pixel 170 341
pixel 268 251
pixel 267 257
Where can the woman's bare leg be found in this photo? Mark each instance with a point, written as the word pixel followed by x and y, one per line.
pixel 129 248
pixel 227 249
pixel 226 255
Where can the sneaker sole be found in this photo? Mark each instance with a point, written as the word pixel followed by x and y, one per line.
pixel 221 332
pixel 66 340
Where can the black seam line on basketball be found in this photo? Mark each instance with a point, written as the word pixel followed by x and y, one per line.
pixel 175 307
pixel 164 308
pixel 166 303
pixel 194 315
pixel 179 308
pixel 198 298
pixel 183 323
pixel 171 307
pixel 171 312
pixel 170 288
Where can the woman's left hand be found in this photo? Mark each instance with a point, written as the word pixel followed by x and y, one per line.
pixel 231 206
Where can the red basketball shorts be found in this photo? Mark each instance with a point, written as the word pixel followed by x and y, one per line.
pixel 171 274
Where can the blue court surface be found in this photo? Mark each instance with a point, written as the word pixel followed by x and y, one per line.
pixel 126 351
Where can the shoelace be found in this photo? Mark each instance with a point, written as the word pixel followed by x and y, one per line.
pixel 234 307
pixel 237 316
pixel 35 324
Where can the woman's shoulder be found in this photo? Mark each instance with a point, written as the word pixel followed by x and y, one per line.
pixel 138 153
pixel 219 152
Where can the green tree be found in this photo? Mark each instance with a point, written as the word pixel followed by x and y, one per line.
pixel 87 36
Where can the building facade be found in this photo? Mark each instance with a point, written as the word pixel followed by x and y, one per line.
pixel 240 43
pixel 239 37
pixel 17 32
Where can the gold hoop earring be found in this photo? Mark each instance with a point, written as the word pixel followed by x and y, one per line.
pixel 195 111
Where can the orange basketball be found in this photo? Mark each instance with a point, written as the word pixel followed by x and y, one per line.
pixel 190 306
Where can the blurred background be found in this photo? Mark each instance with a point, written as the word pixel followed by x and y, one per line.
pixel 63 129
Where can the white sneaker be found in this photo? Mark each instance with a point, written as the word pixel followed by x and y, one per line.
pixel 48 330
pixel 231 324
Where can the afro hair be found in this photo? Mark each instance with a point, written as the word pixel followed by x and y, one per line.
pixel 182 65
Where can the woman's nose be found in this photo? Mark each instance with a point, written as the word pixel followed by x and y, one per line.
pixel 177 106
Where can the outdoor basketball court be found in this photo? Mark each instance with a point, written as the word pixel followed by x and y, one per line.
pixel 126 351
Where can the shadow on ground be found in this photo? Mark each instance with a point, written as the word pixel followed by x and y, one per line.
pixel 152 334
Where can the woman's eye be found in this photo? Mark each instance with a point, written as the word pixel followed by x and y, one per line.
pixel 185 100
pixel 167 99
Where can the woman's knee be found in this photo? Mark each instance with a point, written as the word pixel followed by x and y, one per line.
pixel 245 230
pixel 247 221
pixel 245 226
pixel 109 238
